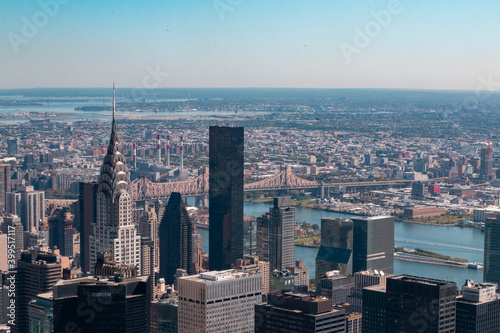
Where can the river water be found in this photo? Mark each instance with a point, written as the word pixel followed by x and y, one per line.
pixel 467 243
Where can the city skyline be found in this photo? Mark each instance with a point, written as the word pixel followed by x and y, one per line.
pixel 322 44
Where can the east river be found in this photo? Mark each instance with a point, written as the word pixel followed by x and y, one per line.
pixel 467 243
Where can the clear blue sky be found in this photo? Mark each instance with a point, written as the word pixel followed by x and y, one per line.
pixel 444 44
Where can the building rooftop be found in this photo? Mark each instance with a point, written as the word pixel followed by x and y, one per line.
pixel 214 276
pixel 421 280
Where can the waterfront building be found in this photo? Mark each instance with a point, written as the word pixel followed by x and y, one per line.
pixel 373 248
pixel 335 252
pixel 491 271
pixel 287 311
pixel 219 301
pixel 226 156
pixel 176 240
pixel 114 231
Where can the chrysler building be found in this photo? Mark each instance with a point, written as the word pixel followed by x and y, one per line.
pixel 114 229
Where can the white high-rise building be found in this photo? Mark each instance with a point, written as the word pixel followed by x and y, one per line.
pixel 219 301
pixel 29 205
pixel 114 229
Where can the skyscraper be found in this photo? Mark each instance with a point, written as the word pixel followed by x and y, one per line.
pixel 12 226
pixel 294 312
pixel 374 308
pixel 226 158
pixel 114 230
pixel 373 244
pixel 89 304
pixel 492 247
pixel 87 213
pixel 37 273
pixel 282 234
pixel 486 163
pixel 478 308
pixel 335 252
pixel 13 147
pixel 263 236
pixel 61 231
pixel 176 240
pixel 415 304
pixel 219 301
pixel 29 205
pixel 4 185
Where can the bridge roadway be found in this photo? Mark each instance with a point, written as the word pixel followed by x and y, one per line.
pixel 144 189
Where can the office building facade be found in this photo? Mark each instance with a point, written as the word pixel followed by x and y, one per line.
pixel 119 304
pixel 282 234
pixel 478 308
pixel 176 240
pixel 336 286
pixel 486 163
pixel 29 205
pixel 415 304
pixel 87 216
pixel 219 301
pixel 294 312
pixel 12 226
pixel 491 271
pixel 226 157
pixel 374 312
pixel 373 244
pixel 335 252
pixel 4 185
pixel 37 273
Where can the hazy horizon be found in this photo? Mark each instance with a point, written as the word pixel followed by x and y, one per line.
pixel 225 44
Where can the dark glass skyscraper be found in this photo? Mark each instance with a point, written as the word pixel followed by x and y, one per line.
pixel 176 241
pixel 335 252
pixel 492 247
pixel 373 244
pixel 486 163
pixel 226 157
pixel 415 304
